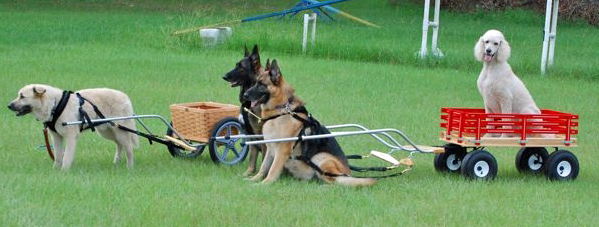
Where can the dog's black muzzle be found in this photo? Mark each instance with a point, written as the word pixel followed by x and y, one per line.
pixel 20 111
pixel 232 78
pixel 11 106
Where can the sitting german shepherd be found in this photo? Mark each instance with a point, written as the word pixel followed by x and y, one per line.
pixel 284 115
pixel 244 75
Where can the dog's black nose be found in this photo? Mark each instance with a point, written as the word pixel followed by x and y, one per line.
pixel 11 107
pixel 488 51
pixel 245 95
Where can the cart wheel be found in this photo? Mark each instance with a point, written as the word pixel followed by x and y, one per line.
pixel 531 159
pixel 562 165
pixel 480 165
pixel 182 153
pixel 451 160
pixel 227 151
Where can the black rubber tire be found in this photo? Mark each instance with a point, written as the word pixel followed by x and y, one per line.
pixel 479 165
pixel 240 150
pixel 562 165
pixel 180 153
pixel 451 160
pixel 531 159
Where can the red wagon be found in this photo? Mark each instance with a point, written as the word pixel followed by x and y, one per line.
pixel 465 128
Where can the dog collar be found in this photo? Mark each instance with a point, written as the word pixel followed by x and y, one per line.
pixel 58 109
pixel 299 109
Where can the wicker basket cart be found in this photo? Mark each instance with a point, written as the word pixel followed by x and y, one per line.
pixel 199 122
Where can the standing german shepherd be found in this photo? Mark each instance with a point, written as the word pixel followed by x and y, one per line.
pixel 245 75
pixel 284 115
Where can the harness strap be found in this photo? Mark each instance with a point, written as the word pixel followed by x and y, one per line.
pixel 57 110
pixel 84 117
pixel 246 118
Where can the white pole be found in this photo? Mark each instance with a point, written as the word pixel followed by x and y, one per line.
pixel 425 24
pixel 313 17
pixel 546 36
pixel 435 25
pixel 553 34
pixel 307 18
pixel 305 35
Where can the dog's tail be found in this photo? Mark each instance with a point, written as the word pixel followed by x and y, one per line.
pixel 353 181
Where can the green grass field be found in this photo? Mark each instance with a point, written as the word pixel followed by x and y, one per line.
pixel 355 74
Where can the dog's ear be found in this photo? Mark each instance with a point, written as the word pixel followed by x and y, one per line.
pixel 274 72
pixel 246 52
pixel 504 51
pixel 39 91
pixel 267 64
pixel 478 49
pixel 255 57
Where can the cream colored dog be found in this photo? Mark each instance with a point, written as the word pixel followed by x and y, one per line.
pixel 43 101
pixel 501 89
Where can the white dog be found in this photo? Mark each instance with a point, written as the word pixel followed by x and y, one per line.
pixel 501 89
pixel 54 106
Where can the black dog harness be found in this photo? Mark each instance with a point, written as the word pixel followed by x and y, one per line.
pixel 83 116
pixel 310 147
pixel 57 110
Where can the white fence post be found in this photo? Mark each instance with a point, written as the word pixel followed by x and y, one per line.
pixel 424 29
pixel 425 25
pixel 550 34
pixel 307 18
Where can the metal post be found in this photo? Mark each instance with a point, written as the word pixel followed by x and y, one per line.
pixel 314 16
pixel 425 24
pixel 307 18
pixel 546 36
pixel 435 25
pixel 305 35
pixel 553 34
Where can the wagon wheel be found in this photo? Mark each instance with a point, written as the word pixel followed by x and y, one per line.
pixel 561 165
pixel 229 151
pixel 479 165
pixel 450 160
pixel 531 159
pixel 182 153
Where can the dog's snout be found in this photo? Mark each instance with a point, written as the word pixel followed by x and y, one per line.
pixel 488 51
pixel 246 95
pixel 11 106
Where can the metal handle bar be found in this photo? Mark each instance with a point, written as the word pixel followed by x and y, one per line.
pixel 383 132
pixel 137 117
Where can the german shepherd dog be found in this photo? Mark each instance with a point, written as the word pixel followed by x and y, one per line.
pixel 244 75
pixel 284 115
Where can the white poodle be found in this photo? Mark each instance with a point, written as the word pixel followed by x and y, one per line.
pixel 501 89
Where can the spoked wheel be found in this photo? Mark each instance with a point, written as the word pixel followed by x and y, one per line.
pixel 229 151
pixel 562 165
pixel 451 160
pixel 479 165
pixel 531 159
pixel 182 153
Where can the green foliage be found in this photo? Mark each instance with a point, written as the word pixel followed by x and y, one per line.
pixel 354 75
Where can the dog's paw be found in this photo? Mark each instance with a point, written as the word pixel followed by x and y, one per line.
pixel 255 178
pixel 248 173
pixel 266 182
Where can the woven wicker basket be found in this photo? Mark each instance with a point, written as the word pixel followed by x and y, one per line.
pixel 195 121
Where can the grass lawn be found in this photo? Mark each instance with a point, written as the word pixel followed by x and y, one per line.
pixel 355 74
